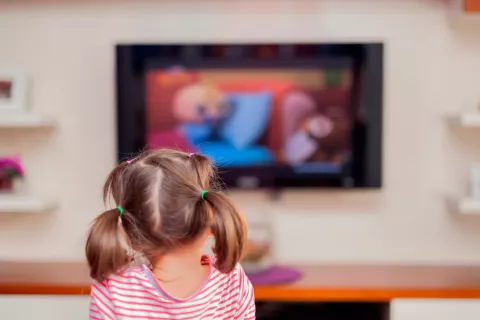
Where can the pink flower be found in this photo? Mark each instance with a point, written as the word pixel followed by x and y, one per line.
pixel 11 166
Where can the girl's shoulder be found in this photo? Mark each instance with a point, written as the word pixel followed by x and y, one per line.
pixel 126 276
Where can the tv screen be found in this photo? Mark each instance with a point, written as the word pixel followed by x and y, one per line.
pixel 285 115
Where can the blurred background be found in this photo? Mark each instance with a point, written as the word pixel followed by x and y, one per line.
pixel 347 154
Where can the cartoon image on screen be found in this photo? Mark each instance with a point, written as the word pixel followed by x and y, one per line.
pixel 297 118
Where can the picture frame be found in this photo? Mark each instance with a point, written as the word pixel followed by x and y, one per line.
pixel 13 90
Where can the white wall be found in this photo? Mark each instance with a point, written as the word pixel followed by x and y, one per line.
pixel 438 309
pixel 49 307
pixel 430 69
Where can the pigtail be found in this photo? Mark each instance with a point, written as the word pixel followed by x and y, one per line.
pixel 227 223
pixel 113 185
pixel 104 249
pixel 229 230
pixel 204 169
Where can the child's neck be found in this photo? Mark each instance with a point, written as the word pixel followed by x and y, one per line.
pixel 174 265
pixel 180 273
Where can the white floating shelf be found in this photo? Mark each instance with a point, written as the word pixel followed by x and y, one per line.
pixel 468 120
pixel 24 204
pixel 24 120
pixel 468 206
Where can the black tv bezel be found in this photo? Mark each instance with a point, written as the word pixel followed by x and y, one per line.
pixel 133 60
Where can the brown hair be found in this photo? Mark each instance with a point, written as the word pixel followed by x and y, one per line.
pixel 160 194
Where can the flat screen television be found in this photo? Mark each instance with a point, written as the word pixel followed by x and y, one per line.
pixel 268 115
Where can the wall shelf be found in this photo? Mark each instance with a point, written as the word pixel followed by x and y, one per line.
pixel 25 121
pixel 24 204
pixel 467 119
pixel 468 206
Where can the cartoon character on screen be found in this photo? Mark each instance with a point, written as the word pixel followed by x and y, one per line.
pixel 320 138
pixel 199 108
pixel 334 147
pixel 200 103
pixel 304 143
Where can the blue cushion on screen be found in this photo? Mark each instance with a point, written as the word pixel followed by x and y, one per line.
pixel 248 119
pixel 196 133
pixel 225 155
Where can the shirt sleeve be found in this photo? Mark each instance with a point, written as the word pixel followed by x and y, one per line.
pixel 101 306
pixel 247 298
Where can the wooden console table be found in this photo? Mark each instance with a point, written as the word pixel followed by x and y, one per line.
pixel 320 283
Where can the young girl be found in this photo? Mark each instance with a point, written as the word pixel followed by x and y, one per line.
pixel 166 208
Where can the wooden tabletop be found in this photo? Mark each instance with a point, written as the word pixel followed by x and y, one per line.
pixel 320 283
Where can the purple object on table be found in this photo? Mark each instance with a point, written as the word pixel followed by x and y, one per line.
pixel 275 275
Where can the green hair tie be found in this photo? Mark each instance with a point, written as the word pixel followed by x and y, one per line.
pixel 120 209
pixel 203 194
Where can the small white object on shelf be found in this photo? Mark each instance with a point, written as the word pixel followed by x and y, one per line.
pixel 468 119
pixel 11 203
pixel 24 120
pixel 469 206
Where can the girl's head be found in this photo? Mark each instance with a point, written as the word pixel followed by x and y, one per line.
pixel 163 205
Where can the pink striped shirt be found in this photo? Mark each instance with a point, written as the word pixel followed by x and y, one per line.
pixel 135 294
